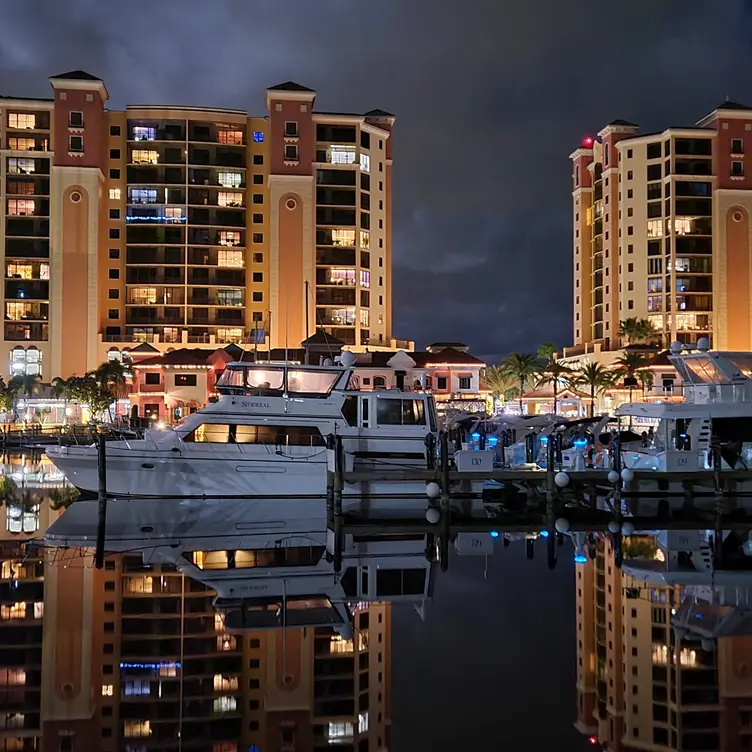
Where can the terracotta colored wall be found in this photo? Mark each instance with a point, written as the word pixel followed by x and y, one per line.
pixel 582 161
pixel 722 156
pixel 737 278
pixel 290 323
pixel 74 281
pixel 94 131
pixel 306 136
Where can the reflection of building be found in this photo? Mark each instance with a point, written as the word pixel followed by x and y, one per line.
pixel 181 224
pixel 662 231
pixel 134 658
pixel 642 685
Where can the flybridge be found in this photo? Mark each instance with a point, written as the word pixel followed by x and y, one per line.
pixel 268 380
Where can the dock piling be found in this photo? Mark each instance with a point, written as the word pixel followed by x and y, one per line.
pixel 102 500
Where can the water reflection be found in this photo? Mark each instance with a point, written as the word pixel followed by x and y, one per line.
pixel 193 638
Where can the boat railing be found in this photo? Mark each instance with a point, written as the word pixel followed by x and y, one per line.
pixel 314 442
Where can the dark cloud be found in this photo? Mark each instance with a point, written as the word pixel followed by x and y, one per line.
pixel 490 98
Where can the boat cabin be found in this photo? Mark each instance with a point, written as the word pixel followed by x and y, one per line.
pixel 269 380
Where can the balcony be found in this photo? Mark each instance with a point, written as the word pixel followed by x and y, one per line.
pixel 156 214
pixel 27 247
pixel 155 235
pixel 336 316
pixel 216 316
pixel 210 236
pixel 335 296
pixel 155 255
pixel 200 296
pixel 23 142
pixel 23 227
pixel 225 257
pixel 27 289
pixel 26 332
pixel 21 206
pixel 156 154
pixel 169 296
pixel 208 197
pixel 216 277
pixel 15 311
pixel 28 166
pixel 337 217
pixel 28 186
pixel 219 177
pixel 158 195
pixel 153 275
pixel 156 175
pixel 335 256
pixel 335 197
pixel 222 156
pixel 220 217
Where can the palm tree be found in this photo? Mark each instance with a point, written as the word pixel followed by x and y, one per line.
pixel 546 351
pixel 635 330
pixel 26 383
pixel 595 378
pixel 63 389
pixel 645 377
pixel 628 364
pixel 552 372
pixel 498 381
pixel 112 376
pixel 520 367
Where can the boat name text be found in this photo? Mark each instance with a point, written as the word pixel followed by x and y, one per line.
pixel 254 404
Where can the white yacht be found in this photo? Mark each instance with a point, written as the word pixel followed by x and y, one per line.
pixel 266 435
pixel 716 411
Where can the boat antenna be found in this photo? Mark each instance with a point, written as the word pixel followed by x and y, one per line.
pixel 287 323
pixel 320 324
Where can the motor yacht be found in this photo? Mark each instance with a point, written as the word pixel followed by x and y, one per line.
pixel 266 435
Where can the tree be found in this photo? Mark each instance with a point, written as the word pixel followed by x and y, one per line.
pixel 546 351
pixel 498 381
pixel 595 378
pixel 635 330
pixel 520 367
pixel 628 363
pixel 7 397
pixel 645 377
pixel 26 383
pixel 553 372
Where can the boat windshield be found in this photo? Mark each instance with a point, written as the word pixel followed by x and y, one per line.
pixel 273 381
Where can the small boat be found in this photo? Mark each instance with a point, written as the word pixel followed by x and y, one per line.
pixel 267 435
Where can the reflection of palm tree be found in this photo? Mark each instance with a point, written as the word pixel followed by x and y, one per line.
pixel 552 372
pixel 595 378
pixel 520 366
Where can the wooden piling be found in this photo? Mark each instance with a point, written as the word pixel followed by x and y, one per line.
pixel 102 500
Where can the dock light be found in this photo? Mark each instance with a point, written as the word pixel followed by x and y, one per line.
pixel 494 533
pixel 161 425
pixel 580 443
pixel 543 440
pixel 493 441
pixel 475 436
pixel 544 533
pixel 580 559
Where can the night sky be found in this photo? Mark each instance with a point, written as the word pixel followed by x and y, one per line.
pixel 491 97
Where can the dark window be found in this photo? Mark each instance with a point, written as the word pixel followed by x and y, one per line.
pixel 737 146
pixel 400 412
pixel 258 159
pixel 258 237
pixel 113 313
pixel 365 140
pixel 76 119
pixel 737 169
pixel 258 297
pixel 258 258
pixel 114 213
pixel 152 378
pixel 184 379
pixel 114 233
pixel 258 276
pixel 258 198
pixel 114 273
pixel 114 174
pixel 114 253
pixel 114 130
pixel 258 219
pixel 114 153
pixel 465 382
pixel 76 143
pixel 654 150
pixel 291 129
pixel 258 179
pixel 257 316
pixel 291 152
pixel 655 172
pixel 114 294
pixel 441 382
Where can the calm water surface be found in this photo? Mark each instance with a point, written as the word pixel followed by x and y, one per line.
pixel 506 654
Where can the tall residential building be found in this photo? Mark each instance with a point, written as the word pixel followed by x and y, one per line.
pixel 641 684
pixel 177 224
pixel 662 231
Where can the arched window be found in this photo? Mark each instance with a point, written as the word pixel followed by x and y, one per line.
pixel 606 154
pixel 25 362
pixel 576 175
pixel 114 354
pixel 379 382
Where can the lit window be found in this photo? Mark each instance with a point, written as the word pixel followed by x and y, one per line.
pixel 224 683
pixel 137 728
pixel 144 156
pixel 344 316
pixel 341 277
pixel 339 731
pixel 688 658
pixel 683 225
pixel 230 179
pixel 137 687
pixel 18 188
pixel 12 677
pixel 173 214
pixel 655 228
pixel 139 585
pixel 144 133
pixel 231 137
pixel 21 207
pixel 365 163
pixel 23 362
pixel 21 144
pixel 142 295
pixel 229 334
pixel 12 720
pixel 229 237
pixel 39 610
pixel 230 297
pixel 21 166
pixel 660 655
pixel 22 120
pixel 225 704
pixel 20 519
pixel 230 259
pixel 364 317
pixel 337 644
pixel 343 238
pixel 107 690
pixel 365 278
pixel 363 722
pixel 227 198
pixel 14 611
pixel 258 137
pixel 142 195
pixel 169 671
pixel 341 154
pixel 219 620
pixel 655 304
pixel 226 643
pixel 365 240
pixel 114 194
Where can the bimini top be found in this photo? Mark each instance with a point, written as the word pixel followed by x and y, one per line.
pixel 281 380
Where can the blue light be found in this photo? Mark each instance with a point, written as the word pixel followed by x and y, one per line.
pixel 476 436
pixel 493 441
pixel 544 533
pixel 258 137
pixel 580 443
pixel 163 664
pixel 494 534
pixel 580 559
pixel 544 440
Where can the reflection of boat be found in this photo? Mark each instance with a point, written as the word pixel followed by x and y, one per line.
pixel 267 436
pixel 268 567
